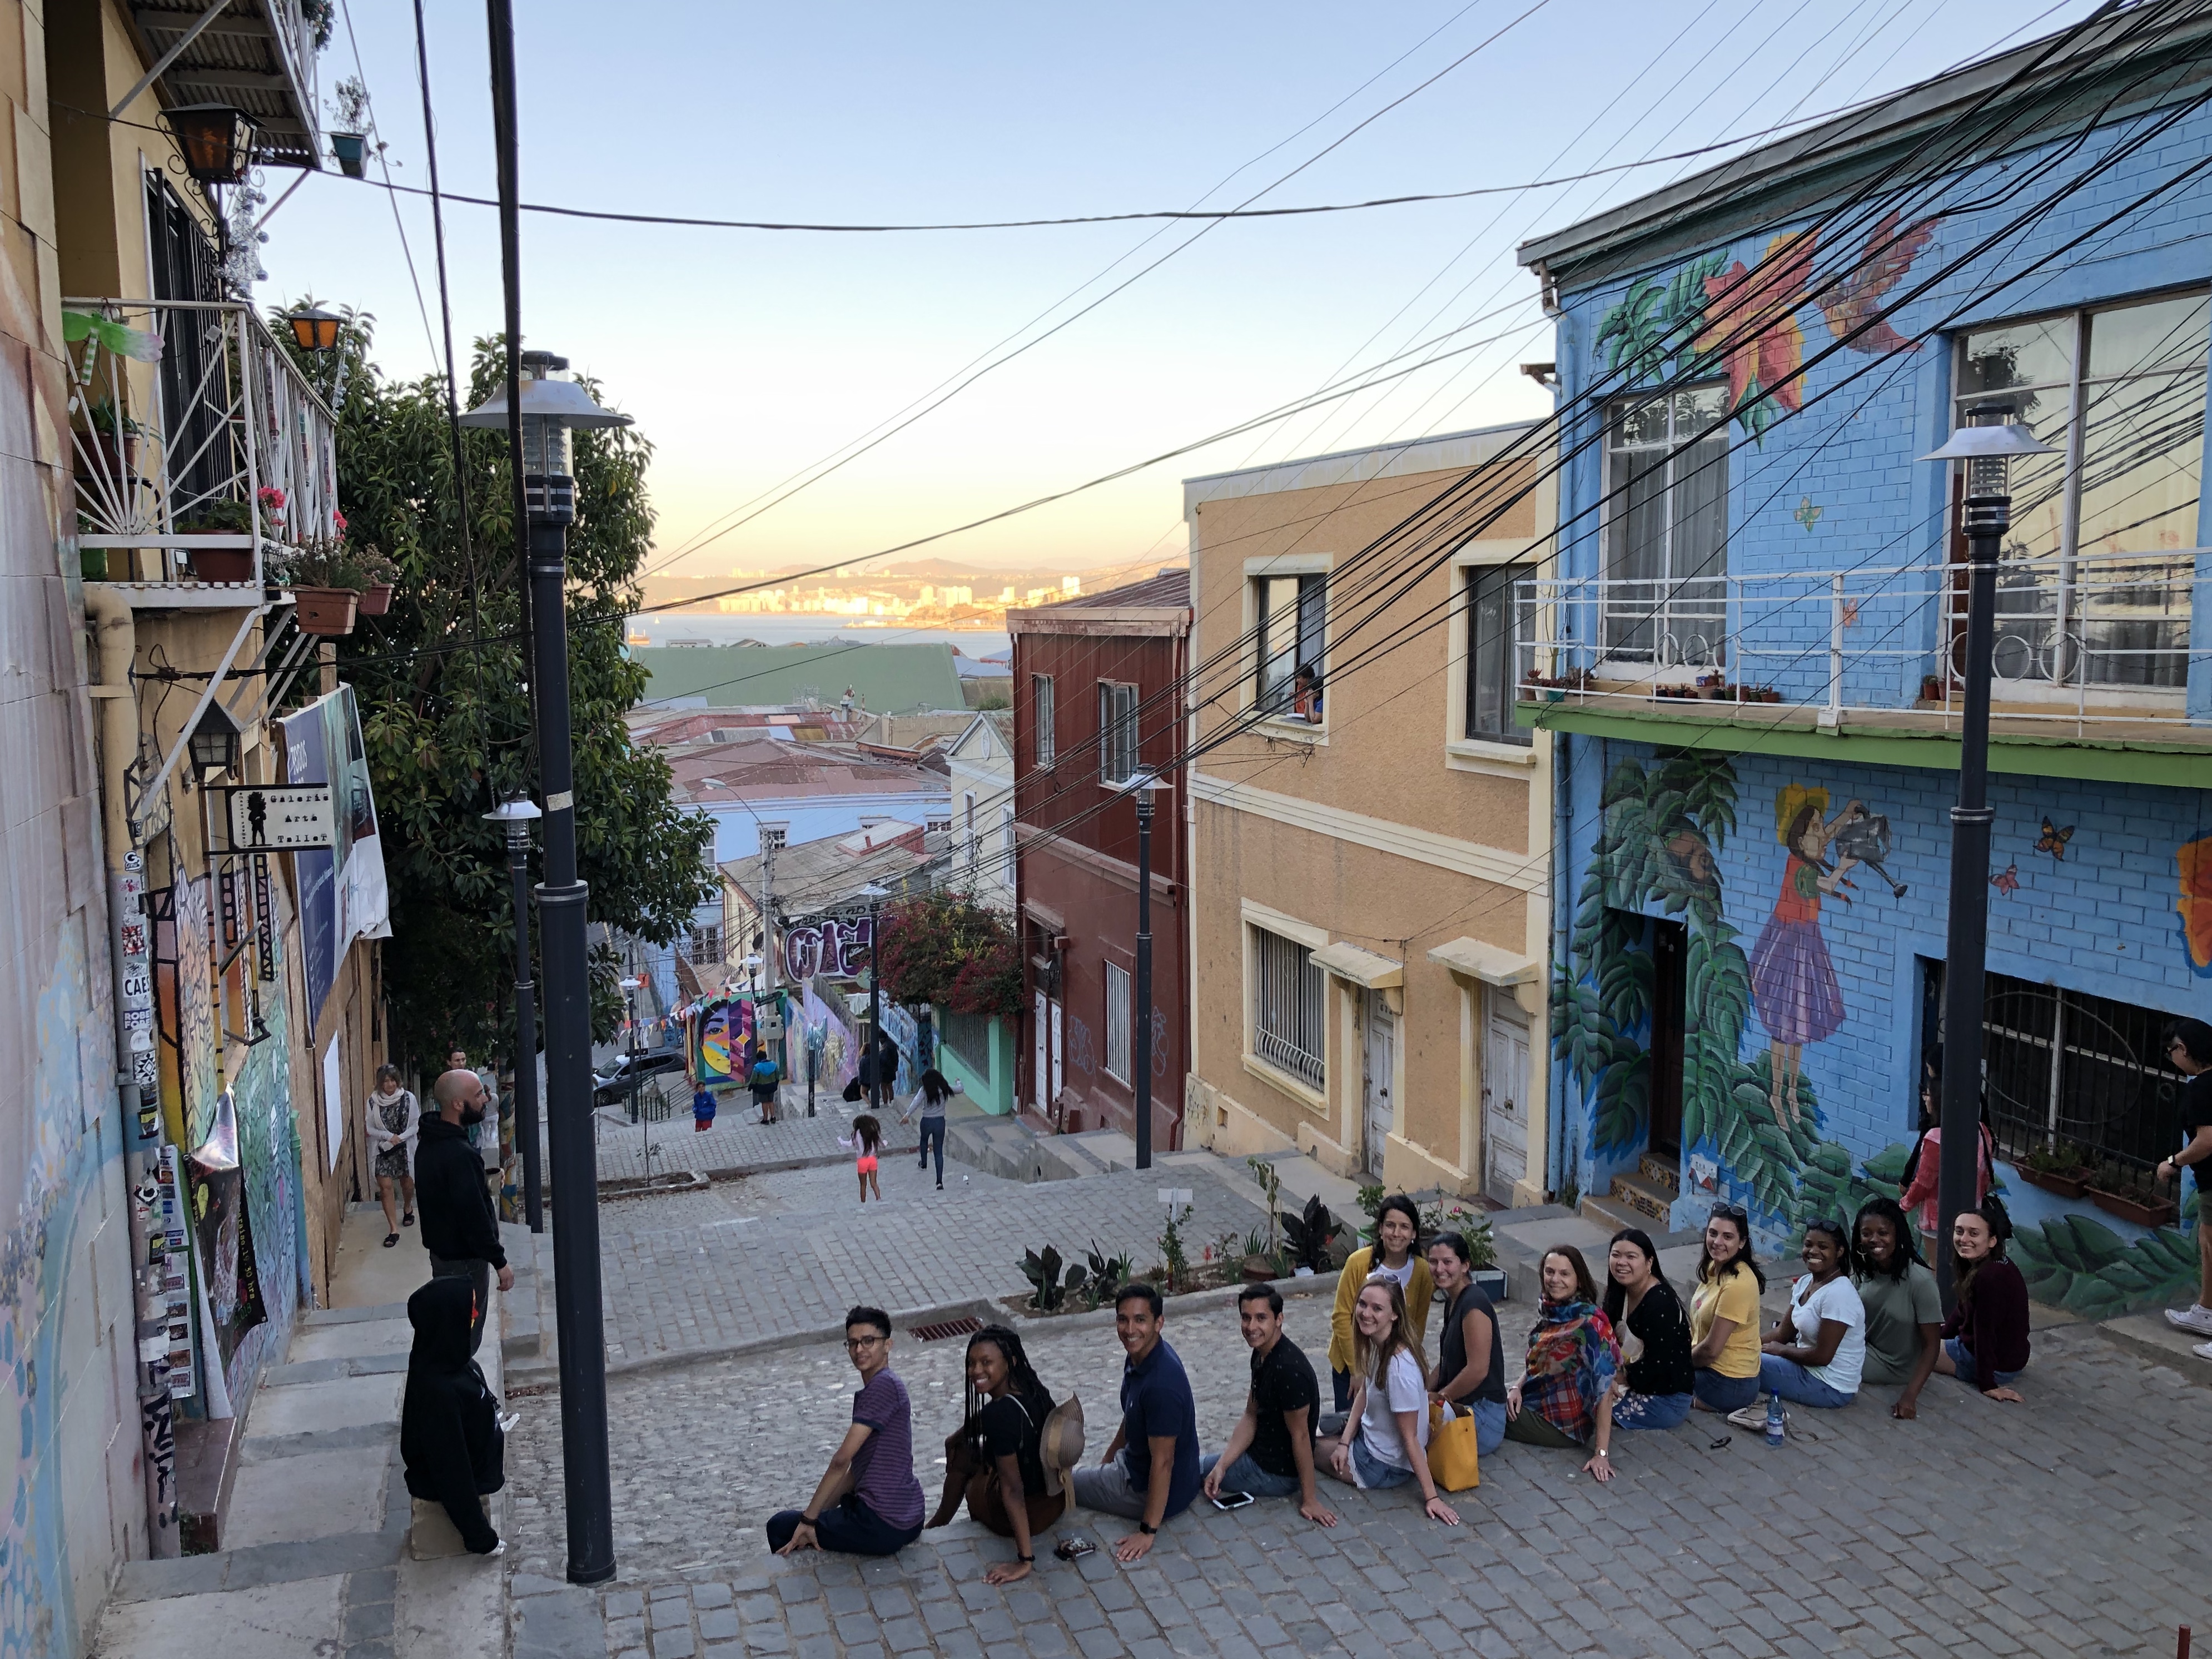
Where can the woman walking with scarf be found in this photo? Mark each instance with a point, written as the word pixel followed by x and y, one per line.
pixel 1565 1396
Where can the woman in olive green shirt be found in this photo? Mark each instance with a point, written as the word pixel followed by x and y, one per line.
pixel 1904 1311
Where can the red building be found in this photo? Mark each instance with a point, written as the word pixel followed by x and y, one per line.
pixel 1099 699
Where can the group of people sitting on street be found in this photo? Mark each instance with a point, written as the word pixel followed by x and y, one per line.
pixel 1630 1356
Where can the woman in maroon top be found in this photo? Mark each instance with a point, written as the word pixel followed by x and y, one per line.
pixel 1985 1338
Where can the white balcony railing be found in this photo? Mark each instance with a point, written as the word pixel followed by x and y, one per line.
pixel 201 453
pixel 2096 641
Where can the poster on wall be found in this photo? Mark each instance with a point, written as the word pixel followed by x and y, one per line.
pixel 342 895
pixel 224 1236
pixel 831 1044
pixel 184 973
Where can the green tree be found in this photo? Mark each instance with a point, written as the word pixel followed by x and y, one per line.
pixel 445 717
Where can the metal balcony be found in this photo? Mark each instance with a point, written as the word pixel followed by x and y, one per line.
pixel 202 454
pixel 258 55
pixel 2091 649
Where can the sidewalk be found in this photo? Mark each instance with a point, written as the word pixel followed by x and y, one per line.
pixel 739 1143
pixel 316 1531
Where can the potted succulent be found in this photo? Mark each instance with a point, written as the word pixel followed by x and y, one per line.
pixel 1931 687
pixel 325 582
pixel 2056 1168
pixel 219 564
pixel 380 574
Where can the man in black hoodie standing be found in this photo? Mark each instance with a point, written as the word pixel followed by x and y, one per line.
pixel 458 1227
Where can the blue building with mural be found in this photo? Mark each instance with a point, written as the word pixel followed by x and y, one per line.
pixel 1748 641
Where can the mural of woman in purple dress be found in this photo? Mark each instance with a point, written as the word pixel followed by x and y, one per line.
pixel 1793 982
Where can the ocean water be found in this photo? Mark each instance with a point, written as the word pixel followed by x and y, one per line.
pixel 663 628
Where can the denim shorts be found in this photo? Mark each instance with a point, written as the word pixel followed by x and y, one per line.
pixel 1963 1357
pixel 1373 1473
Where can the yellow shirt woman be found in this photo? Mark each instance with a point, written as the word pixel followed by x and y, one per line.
pixel 1420 1291
pixel 1732 1296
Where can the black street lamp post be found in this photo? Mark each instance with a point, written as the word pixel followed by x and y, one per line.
pixel 550 408
pixel 875 896
pixel 1986 444
pixel 1143 787
pixel 516 815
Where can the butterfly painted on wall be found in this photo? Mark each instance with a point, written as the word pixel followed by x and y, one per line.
pixel 2007 880
pixel 2053 840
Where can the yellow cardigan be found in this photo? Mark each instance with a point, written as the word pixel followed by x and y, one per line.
pixel 1419 1294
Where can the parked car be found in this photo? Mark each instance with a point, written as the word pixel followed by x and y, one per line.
pixel 629 1073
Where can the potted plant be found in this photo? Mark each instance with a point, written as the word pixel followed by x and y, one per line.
pixel 379 576
pixel 1931 687
pixel 2116 1191
pixel 326 583
pixel 219 564
pixel 2056 1168
pixel 113 440
pixel 1712 687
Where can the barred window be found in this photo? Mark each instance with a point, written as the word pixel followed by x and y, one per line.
pixel 969 1037
pixel 1117 1022
pixel 706 943
pixel 1286 1006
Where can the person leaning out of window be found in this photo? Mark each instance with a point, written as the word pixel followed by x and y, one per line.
pixel 1724 1313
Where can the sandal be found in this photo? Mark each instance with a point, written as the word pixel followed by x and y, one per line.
pixel 390 1239
pixel 407 1220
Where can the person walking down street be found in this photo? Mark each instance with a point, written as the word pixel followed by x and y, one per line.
pixel 995 1458
pixel 765 1078
pixel 394 1116
pixel 1149 1474
pixel 459 1230
pixel 1471 1359
pixel 1397 1225
pixel 867 1137
pixel 1724 1313
pixel 2189 1048
pixel 1904 1307
pixel 868 1502
pixel 450 1445
pixel 1385 1441
pixel 1985 1338
pixel 1270 1452
pixel 1565 1397
pixel 1654 1389
pixel 1817 1351
pixel 929 1099
pixel 702 1110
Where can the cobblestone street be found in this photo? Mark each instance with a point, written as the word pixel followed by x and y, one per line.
pixel 2052 1529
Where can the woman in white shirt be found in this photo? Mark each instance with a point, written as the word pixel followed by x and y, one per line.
pixel 1818 1349
pixel 394 1117
pixel 1385 1441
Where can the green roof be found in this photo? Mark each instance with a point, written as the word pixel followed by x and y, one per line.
pixel 894 680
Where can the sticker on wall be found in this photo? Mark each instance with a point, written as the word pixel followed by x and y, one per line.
pixel 2053 840
pixel 2194 904
pixel 2007 880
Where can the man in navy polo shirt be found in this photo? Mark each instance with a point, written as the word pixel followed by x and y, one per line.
pixel 1150 1472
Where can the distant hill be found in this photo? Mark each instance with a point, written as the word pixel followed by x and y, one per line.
pixel 893 680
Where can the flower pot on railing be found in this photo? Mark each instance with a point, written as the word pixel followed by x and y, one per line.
pixel 376 598
pixel 326 612
pixel 351 149
pixel 222 564
pixel 2132 1206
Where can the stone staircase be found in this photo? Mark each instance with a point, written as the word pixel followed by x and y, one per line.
pixel 1641 1197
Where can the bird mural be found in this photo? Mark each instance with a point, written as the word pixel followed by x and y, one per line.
pixel 1852 302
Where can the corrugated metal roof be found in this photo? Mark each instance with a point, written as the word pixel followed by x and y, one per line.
pixel 258 56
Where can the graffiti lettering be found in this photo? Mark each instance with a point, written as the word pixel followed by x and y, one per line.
pixel 156 1425
pixel 1159 1043
pixel 837 947
pixel 1078 1046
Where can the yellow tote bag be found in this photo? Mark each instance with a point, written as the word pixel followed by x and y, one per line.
pixel 1452 1463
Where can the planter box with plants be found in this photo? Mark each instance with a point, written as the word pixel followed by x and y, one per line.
pixel 332 584
pixel 2057 1169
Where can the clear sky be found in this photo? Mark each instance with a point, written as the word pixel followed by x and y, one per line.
pixel 748 357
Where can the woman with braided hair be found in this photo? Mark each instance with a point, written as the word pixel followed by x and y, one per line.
pixel 994 1459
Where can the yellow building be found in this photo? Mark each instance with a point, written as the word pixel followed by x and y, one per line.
pixel 1370 830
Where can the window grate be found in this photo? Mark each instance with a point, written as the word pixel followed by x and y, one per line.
pixel 1117 1023
pixel 1286 1006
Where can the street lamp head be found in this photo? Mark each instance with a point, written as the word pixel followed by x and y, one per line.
pixel 552 407
pixel 315 329
pixel 214 741
pixel 515 809
pixel 871 892
pixel 1987 444
pixel 1145 788
pixel 216 141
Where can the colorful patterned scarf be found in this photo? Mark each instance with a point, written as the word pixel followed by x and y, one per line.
pixel 1572 1357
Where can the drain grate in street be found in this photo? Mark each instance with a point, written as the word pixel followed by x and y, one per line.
pixel 950 1327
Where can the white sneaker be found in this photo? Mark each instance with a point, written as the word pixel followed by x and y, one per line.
pixel 2196 1317
pixel 2203 1351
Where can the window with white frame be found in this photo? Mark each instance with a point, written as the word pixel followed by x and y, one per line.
pixel 1494 603
pixel 774 834
pixel 706 942
pixel 1666 527
pixel 1291 613
pixel 1117 731
pixel 1117 1023
pixel 2098 568
pixel 1006 829
pixel 1287 1006
pixel 1040 707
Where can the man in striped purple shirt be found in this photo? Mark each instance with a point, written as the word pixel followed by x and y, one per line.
pixel 869 1502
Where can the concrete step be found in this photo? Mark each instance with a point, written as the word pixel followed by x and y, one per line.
pixel 2149 1337
pixel 1612 1214
pixel 1644 1196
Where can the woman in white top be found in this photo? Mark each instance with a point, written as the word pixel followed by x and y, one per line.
pixel 1818 1349
pixel 1385 1441
pixel 394 1117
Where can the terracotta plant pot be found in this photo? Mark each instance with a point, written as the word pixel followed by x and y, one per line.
pixel 1931 687
pixel 376 598
pixel 326 612
pixel 1257 1270
pixel 2065 1183
pixel 222 564
pixel 2144 1212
